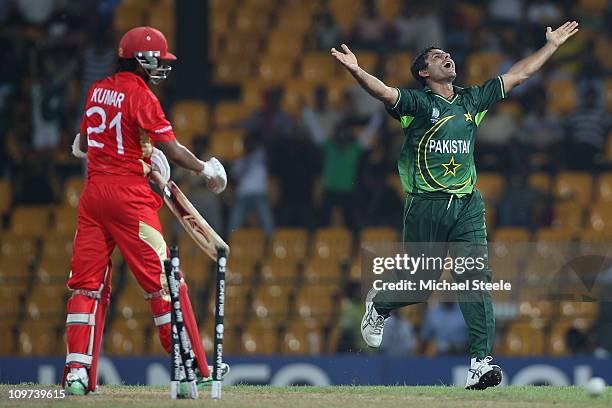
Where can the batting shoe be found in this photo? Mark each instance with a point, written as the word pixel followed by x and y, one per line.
pixel 483 375
pixel 76 382
pixel 203 382
pixel 372 324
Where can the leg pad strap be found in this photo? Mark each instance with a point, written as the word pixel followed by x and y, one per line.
pixel 85 359
pixel 94 294
pixel 81 318
pixel 155 295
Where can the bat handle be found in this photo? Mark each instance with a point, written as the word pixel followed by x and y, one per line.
pixel 157 179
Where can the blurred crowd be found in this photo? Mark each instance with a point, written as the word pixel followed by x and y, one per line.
pixel 53 51
pixel 325 165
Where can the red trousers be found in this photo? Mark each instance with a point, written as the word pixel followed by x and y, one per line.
pixel 114 212
pixel 123 215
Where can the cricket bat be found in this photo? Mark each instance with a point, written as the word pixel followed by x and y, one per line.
pixel 192 221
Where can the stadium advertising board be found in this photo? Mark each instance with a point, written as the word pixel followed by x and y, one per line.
pixel 324 370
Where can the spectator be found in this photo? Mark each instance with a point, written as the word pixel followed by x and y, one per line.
pixel 350 340
pixel 485 39
pixel 589 17
pixel 379 204
pixel 521 205
pixel 359 104
pixel 341 154
pixel 53 67
pixel 429 28
pixel 370 29
pixel 404 27
pixel 327 33
pixel 540 132
pixel 106 9
pixel 98 61
pixel 456 26
pixel 272 122
pixel 36 11
pixel 587 127
pixel 418 27
pixel 603 325
pixel 37 182
pixel 444 326
pixel 576 341
pixel 251 173
pixel 513 51
pixel 48 106
pixel 9 85
pixel 6 8
pixel 591 75
pixel 297 182
pixel 543 13
pixel 205 201
pixel 17 141
pixel 494 135
pixel 506 11
pixel 327 116
pixel 399 339
pixel 497 129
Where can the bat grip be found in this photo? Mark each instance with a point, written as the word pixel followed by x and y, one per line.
pixel 157 179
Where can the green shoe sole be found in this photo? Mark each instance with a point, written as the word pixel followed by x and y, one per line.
pixel 75 388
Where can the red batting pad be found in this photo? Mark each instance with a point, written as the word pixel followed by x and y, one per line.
pixel 192 329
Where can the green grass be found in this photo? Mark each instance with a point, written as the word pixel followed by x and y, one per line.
pixel 328 397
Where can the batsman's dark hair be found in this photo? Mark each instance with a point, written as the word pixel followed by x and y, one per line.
pixel 127 65
pixel 419 63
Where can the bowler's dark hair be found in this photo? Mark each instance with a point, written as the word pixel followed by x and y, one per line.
pixel 419 63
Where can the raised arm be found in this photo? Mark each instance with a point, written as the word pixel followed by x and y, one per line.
pixel 367 134
pixel 370 83
pixel 526 67
pixel 312 125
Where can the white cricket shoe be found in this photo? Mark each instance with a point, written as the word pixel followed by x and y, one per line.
pixel 483 375
pixel 372 324
pixel 77 381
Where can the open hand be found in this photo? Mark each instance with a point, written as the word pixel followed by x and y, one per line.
pixel 561 34
pixel 346 58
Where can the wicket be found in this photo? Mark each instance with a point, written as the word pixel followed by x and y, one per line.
pixel 182 357
pixel 219 328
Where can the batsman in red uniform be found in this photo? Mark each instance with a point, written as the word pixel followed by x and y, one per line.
pixel 124 135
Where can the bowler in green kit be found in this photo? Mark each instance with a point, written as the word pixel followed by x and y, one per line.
pixel 437 171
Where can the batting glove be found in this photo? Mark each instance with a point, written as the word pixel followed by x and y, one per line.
pixel 215 176
pixel 76 147
pixel 160 164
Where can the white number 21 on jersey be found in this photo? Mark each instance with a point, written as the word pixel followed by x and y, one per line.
pixel 115 123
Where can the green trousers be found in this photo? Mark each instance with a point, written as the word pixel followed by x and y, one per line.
pixel 439 218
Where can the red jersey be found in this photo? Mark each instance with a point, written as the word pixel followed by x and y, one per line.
pixel 122 116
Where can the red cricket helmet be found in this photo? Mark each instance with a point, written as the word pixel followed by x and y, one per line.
pixel 149 47
pixel 141 39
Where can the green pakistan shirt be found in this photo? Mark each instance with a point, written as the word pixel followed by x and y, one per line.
pixel 438 149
